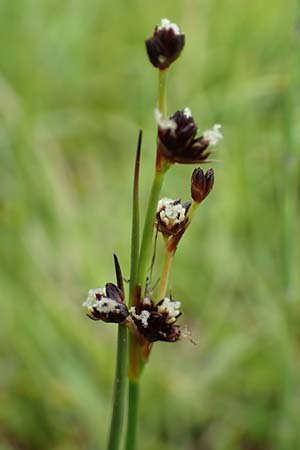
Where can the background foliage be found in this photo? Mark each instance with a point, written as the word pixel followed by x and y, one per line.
pixel 75 87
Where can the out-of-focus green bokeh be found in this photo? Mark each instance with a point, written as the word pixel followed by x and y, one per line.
pixel 75 87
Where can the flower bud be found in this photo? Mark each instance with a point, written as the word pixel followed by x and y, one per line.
pixel 165 45
pixel 178 141
pixel 171 216
pixel 156 322
pixel 201 184
pixel 106 304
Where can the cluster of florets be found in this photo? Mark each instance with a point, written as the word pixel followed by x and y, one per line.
pixel 153 322
pixel 157 322
pixel 106 304
pixel 177 135
pixel 178 141
pixel 165 45
pixel 171 216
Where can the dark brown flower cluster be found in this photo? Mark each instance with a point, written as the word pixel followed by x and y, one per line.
pixel 106 304
pixel 157 322
pixel 153 322
pixel 178 141
pixel 165 45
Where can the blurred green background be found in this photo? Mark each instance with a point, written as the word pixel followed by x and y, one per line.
pixel 75 87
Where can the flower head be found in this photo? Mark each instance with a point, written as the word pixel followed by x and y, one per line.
pixel 171 216
pixel 201 184
pixel 180 144
pixel 165 45
pixel 157 322
pixel 106 304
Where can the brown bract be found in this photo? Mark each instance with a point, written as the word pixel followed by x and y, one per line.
pixel 164 46
pixel 180 145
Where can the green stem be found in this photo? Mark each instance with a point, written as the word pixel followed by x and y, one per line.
pixel 138 274
pixel 169 254
pixel 162 81
pixel 145 252
pixel 155 191
pixel 133 401
pixel 165 274
pixel 119 391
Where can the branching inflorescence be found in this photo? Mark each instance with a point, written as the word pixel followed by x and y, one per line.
pixel 152 316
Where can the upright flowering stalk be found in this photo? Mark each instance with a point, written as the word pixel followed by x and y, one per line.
pixel 152 316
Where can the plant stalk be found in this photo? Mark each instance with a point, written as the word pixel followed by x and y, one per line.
pixel 165 274
pixel 133 401
pixel 145 252
pixel 138 273
pixel 116 427
pixel 119 391
pixel 162 81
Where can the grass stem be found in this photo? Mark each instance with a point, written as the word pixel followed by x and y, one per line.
pixel 133 401
pixel 119 391
pixel 165 274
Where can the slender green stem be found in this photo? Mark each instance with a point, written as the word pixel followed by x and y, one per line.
pixel 138 274
pixel 148 227
pixel 169 255
pixel 162 81
pixel 155 191
pixel 165 274
pixel 133 401
pixel 119 391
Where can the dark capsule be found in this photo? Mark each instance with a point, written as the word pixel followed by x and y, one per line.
pixel 201 184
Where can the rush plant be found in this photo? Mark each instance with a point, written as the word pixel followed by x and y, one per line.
pixel 150 314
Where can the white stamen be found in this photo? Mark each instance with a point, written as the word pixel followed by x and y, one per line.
pixel 143 316
pixel 171 212
pixel 166 24
pixel 106 305
pixel 164 124
pixel 172 309
pixel 187 112
pixel 91 300
pixel 213 136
